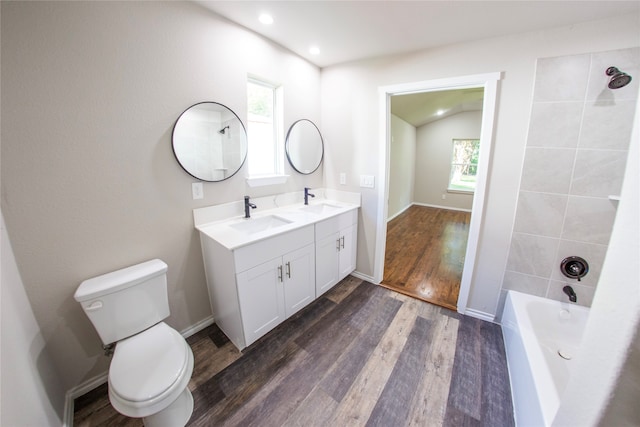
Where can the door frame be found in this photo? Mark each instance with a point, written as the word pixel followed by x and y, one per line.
pixel 489 82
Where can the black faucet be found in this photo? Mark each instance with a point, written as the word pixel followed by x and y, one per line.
pixel 307 194
pixel 571 293
pixel 247 205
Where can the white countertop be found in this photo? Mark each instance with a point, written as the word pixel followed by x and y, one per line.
pixel 234 231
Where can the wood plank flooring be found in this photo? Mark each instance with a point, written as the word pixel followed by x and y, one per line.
pixel 425 254
pixel 360 355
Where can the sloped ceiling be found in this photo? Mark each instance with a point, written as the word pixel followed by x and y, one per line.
pixel 419 109
pixel 352 30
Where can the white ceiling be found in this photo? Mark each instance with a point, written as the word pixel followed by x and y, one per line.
pixel 352 30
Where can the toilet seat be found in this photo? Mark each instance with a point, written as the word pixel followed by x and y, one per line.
pixel 149 371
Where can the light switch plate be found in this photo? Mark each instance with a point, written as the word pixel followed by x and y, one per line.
pixel 197 190
pixel 343 178
pixel 367 181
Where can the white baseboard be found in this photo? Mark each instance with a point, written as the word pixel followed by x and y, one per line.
pixel 442 207
pixel 363 277
pixel 194 329
pixel 487 317
pixel 78 391
pixel 401 212
pixel 100 379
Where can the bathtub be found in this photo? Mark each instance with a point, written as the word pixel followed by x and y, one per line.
pixel 542 339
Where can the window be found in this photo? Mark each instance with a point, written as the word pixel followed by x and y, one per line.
pixel 464 165
pixel 266 154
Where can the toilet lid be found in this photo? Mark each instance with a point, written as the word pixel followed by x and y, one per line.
pixel 147 364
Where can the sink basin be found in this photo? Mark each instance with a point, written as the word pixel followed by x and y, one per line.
pixel 320 208
pixel 295 216
pixel 256 225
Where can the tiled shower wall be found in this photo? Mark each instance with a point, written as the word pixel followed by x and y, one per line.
pixel 575 158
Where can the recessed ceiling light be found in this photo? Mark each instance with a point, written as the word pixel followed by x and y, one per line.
pixel 439 112
pixel 266 19
pixel 314 50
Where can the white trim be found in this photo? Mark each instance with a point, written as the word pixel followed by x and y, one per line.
pixel 449 208
pixel 487 317
pixel 401 212
pixel 97 381
pixel 361 276
pixel 197 327
pixel 77 391
pixel 454 191
pixel 262 181
pixel 487 81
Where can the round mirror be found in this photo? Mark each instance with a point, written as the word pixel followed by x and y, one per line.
pixel 209 141
pixel 304 146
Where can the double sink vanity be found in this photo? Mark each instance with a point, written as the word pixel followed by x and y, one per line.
pixel 263 269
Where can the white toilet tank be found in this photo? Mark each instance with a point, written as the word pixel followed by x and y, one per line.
pixel 125 302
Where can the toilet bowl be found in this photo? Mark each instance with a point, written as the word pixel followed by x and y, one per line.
pixel 152 363
pixel 148 372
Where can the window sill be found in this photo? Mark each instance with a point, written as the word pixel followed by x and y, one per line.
pixel 263 181
pixel 450 190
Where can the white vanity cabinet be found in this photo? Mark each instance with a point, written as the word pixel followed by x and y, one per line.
pixel 256 287
pixel 271 292
pixel 336 240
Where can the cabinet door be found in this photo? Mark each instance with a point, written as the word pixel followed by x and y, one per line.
pixel 326 263
pixel 299 280
pixel 261 296
pixel 348 242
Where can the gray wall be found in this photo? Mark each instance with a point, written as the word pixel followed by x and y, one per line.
pixel 352 126
pixel 433 159
pixel 575 158
pixel 90 93
pixel 401 166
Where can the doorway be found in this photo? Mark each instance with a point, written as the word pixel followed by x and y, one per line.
pixel 488 82
pixel 432 175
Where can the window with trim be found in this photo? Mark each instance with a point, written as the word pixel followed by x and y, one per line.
pixel 264 119
pixel 464 165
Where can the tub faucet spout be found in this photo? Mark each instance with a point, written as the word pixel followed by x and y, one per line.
pixel 570 293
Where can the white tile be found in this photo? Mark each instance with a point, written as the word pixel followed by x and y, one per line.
pixel 534 255
pixel 607 126
pixel 523 283
pixel 555 124
pixel 547 170
pixel 562 79
pixel 540 213
pixel 588 220
pixel 598 173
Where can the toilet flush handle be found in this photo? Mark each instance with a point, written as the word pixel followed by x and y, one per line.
pixel 96 305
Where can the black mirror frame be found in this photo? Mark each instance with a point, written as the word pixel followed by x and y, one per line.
pixel 286 145
pixel 244 129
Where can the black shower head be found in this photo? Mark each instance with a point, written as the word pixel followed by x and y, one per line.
pixel 222 131
pixel 618 78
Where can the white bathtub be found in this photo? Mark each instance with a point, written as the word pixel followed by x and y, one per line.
pixel 535 331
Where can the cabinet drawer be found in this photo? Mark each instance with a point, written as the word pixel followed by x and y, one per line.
pixel 265 250
pixel 332 225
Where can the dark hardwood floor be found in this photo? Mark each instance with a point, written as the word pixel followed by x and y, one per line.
pixel 360 355
pixel 425 254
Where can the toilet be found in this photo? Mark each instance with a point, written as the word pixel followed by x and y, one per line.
pixel 152 363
